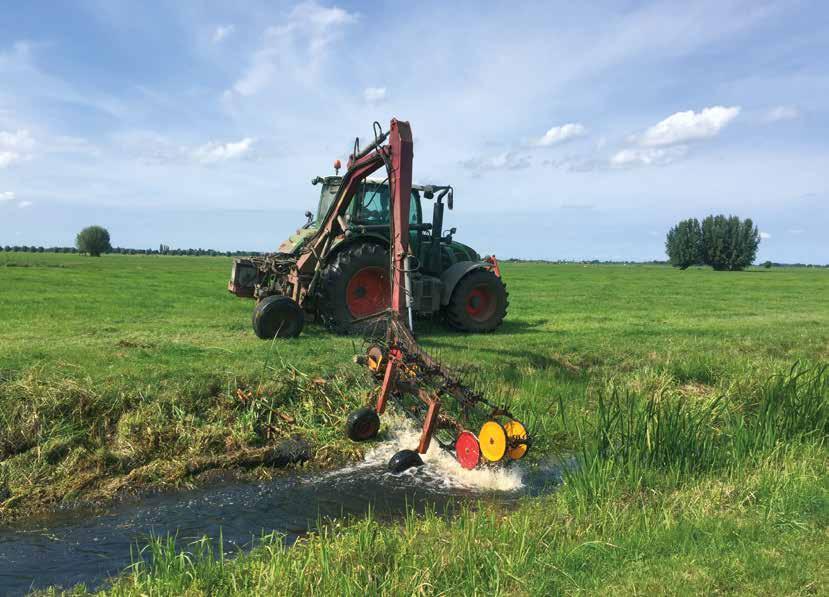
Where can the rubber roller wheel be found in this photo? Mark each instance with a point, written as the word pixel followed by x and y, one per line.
pixel 404 460
pixel 362 424
pixel 493 441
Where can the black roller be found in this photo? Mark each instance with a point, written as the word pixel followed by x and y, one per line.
pixel 404 460
pixel 362 424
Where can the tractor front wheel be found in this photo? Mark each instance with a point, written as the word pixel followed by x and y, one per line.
pixel 478 303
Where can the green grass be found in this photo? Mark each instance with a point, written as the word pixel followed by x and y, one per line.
pixel 704 451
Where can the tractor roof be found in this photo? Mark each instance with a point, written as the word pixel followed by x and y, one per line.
pixel 329 180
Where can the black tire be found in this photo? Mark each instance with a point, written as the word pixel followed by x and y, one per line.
pixel 362 424
pixel 277 316
pixel 404 460
pixel 335 311
pixel 478 303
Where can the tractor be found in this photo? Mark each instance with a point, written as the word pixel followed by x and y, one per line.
pixel 367 259
pixel 349 279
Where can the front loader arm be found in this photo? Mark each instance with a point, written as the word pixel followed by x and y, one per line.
pixel 397 156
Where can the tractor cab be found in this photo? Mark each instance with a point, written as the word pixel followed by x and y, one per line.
pixel 369 215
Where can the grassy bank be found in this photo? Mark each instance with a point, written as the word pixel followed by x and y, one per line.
pixel 711 497
pixel 129 372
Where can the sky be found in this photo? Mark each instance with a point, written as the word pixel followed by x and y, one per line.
pixel 569 130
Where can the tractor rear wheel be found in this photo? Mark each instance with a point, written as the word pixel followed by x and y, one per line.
pixel 354 285
pixel 277 316
pixel 478 303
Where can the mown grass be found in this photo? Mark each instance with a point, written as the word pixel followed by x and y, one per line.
pixel 124 372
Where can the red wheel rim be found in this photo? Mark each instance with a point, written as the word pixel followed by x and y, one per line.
pixel 367 292
pixel 467 450
pixel 480 303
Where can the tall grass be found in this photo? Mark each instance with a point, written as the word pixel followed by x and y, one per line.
pixel 639 440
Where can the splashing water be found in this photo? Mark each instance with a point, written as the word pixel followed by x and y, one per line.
pixel 441 470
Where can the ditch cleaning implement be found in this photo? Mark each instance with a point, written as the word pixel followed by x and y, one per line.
pixel 393 280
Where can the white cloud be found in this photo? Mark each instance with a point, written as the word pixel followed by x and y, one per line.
pixel 782 113
pixel 374 95
pixel 648 156
pixel 682 127
pixel 222 32
pixel 24 204
pixel 796 231
pixel 15 147
pixel 765 235
pixel 219 152
pixel 559 134
pixel 6 196
pixel 298 47
pixel 507 160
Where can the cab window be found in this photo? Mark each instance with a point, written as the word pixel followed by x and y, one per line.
pixel 372 206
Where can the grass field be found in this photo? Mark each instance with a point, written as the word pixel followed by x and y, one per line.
pixel 704 452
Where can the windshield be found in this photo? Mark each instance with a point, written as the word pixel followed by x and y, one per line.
pixel 327 196
pixel 370 205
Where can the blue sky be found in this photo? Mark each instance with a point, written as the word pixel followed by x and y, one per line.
pixel 568 131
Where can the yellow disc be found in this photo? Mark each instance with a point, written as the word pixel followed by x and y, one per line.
pixel 493 440
pixel 515 430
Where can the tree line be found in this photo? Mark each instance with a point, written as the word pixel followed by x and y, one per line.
pixel 724 243
pixel 128 251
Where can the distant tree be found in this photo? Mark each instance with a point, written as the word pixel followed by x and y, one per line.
pixel 93 240
pixel 684 244
pixel 767 264
pixel 729 244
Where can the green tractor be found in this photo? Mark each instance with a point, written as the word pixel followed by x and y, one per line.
pixel 336 267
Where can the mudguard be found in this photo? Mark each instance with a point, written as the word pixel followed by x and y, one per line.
pixel 453 275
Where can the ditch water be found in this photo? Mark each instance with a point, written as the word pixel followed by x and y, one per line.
pixel 76 546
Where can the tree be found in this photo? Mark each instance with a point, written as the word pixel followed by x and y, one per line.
pixel 729 244
pixel 684 244
pixel 724 243
pixel 93 240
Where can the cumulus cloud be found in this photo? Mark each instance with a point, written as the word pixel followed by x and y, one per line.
pixel 213 151
pixel 682 127
pixel 222 32
pixel 507 160
pixel 6 196
pixel 647 156
pixel 15 147
pixel 374 95
pixel 560 134
pixel 765 235
pixel 297 47
pixel 779 113
pixel 24 204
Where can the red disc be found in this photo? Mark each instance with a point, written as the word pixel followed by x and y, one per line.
pixel 467 450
